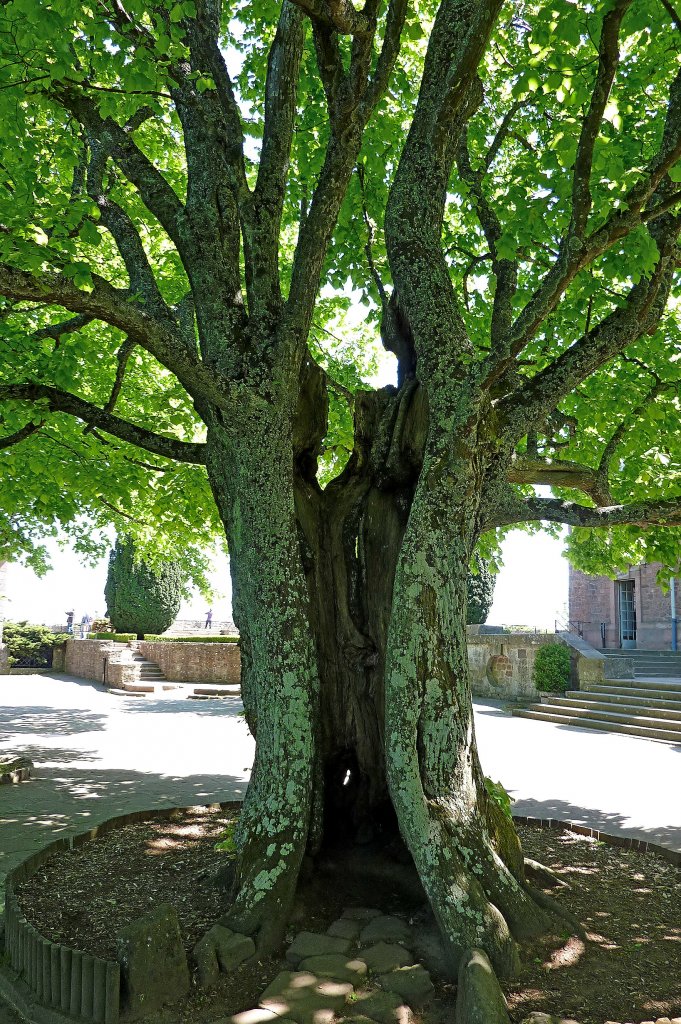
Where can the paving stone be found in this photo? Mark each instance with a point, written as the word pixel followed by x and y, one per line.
pixel 257 1016
pixel 547 1018
pixel 220 949
pixel 313 944
pixel 335 965
pixel 153 961
pixel 386 957
pixel 385 929
pixel 412 983
pixel 304 998
pixel 345 929
pixel 360 914
pixel 381 1006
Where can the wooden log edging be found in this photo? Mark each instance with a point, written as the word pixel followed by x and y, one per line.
pixel 67 982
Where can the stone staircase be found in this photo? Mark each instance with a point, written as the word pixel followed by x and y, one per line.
pixel 649 705
pixel 150 680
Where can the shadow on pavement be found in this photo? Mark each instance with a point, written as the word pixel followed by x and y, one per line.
pixel 604 821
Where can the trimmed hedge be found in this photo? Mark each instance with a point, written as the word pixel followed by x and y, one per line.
pixel 552 669
pixel 118 638
pixel 30 646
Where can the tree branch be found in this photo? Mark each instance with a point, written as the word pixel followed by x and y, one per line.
pixel 639 513
pixel 504 270
pixel 63 401
pixel 608 59
pixel 114 306
pixel 20 435
pixel 339 15
pixel 156 194
pixel 558 473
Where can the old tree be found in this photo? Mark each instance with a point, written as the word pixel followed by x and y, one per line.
pixel 191 198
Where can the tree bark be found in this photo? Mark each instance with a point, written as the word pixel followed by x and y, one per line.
pixel 251 474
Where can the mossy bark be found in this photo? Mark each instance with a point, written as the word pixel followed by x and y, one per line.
pixel 351 604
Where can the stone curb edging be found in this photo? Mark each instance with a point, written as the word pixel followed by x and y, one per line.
pixel 625 842
pixel 48 981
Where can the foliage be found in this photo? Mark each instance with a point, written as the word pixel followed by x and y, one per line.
pixel 30 646
pixel 118 638
pixel 500 796
pixel 552 668
pixel 139 597
pixel 481 583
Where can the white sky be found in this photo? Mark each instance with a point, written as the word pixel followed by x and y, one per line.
pixel 531 589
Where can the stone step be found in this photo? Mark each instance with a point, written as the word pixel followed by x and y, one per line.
pixel 606 724
pixel 639 652
pixel 125 693
pixel 641 688
pixel 671 701
pixel 647 709
pixel 217 691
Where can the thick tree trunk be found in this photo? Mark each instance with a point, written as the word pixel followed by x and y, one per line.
pixel 251 472
pixel 351 607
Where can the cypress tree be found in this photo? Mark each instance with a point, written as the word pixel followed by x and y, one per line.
pixel 480 592
pixel 140 599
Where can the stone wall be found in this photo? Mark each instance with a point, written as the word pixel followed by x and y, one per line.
pixel 195 663
pixel 501 665
pixel 593 600
pixel 98 660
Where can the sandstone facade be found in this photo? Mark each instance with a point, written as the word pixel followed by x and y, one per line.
pixel 596 600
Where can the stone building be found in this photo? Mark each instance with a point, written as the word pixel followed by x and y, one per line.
pixel 631 611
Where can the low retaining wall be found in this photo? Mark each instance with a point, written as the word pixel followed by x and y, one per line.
pixel 195 663
pixel 96 659
pixel 501 665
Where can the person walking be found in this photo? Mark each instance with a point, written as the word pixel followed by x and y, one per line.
pixel 69 622
pixel 209 619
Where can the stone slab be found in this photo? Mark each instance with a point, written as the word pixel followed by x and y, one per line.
pixel 413 984
pixel 386 956
pixel 153 961
pixel 479 997
pixel 381 1006
pixel 314 944
pixel 385 929
pixel 335 965
pixel 304 998
pixel 345 929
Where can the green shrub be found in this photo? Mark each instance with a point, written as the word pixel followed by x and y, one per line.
pixel 200 639
pixel 30 646
pixel 118 638
pixel 552 668
pixel 140 598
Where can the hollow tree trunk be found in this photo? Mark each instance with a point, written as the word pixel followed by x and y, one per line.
pixel 251 473
pixel 351 606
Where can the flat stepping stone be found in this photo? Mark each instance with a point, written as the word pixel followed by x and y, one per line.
pixel 413 984
pixel 360 914
pixel 303 997
pixel 336 966
pixel 220 949
pixel 345 929
pixel 257 1016
pixel 314 944
pixel 384 1007
pixel 386 957
pixel 385 929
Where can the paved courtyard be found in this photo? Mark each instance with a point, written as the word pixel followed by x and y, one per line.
pixel 98 755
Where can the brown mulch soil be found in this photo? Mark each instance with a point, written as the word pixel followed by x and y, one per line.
pixel 629 968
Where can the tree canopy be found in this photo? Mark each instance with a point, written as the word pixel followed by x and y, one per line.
pixel 551 236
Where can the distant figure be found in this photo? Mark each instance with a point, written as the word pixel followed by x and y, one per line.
pixel 69 622
pixel 85 624
pixel 209 619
